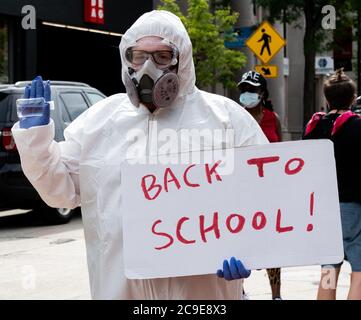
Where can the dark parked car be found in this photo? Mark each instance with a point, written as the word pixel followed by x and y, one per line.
pixel 16 192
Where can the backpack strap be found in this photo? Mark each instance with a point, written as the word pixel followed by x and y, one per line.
pixel 313 122
pixel 341 120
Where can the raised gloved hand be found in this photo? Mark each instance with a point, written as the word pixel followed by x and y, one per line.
pixel 233 270
pixel 34 109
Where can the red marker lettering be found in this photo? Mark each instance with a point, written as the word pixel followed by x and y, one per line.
pixel 312 204
pixel 185 178
pixel 259 162
pixel 163 234
pixel 179 235
pixel 152 185
pixel 209 172
pixel 240 223
pixel 295 170
pixel 280 229
pixel 258 225
pixel 214 227
pixel 169 172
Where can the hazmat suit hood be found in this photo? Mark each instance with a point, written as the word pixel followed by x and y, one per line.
pixel 168 26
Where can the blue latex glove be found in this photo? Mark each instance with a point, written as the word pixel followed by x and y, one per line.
pixel 37 89
pixel 233 270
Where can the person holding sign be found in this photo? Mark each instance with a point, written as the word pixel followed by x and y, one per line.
pixel 343 128
pixel 159 76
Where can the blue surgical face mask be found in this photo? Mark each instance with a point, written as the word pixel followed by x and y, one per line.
pixel 249 100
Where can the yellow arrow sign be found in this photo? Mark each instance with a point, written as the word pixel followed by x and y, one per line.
pixel 265 42
pixel 267 71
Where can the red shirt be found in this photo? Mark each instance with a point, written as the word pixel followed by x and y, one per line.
pixel 268 125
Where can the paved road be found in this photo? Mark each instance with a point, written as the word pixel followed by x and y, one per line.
pixel 42 262
pixel 49 262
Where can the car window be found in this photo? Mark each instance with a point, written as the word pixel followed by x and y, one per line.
pixel 94 97
pixel 64 111
pixel 74 103
pixel 8 106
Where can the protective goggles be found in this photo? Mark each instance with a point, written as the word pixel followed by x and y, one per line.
pixel 163 58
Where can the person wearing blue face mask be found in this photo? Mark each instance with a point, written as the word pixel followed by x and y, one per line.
pixel 254 98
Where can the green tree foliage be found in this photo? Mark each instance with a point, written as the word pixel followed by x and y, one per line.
pixel 208 29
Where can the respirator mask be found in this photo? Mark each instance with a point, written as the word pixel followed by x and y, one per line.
pixel 151 76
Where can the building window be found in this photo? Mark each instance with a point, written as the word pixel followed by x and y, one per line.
pixel 4 52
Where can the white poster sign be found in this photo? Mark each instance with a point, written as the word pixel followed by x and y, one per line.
pixel 278 207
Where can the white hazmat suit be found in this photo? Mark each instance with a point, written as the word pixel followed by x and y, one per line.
pixel 85 168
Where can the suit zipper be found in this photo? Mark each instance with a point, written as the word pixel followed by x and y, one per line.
pixel 149 138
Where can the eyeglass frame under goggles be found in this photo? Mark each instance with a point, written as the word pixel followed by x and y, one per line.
pixel 173 60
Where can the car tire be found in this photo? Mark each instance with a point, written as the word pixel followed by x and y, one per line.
pixel 56 215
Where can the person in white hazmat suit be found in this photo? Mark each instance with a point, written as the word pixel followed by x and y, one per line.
pixel 159 75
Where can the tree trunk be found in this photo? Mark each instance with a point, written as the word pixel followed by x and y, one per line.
pixel 309 93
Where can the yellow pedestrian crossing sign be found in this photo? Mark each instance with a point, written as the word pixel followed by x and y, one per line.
pixel 267 71
pixel 265 42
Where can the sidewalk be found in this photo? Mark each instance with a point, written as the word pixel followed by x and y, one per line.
pixel 298 283
pixel 38 262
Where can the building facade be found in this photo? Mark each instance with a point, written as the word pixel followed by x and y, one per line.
pixel 69 43
pixel 73 40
